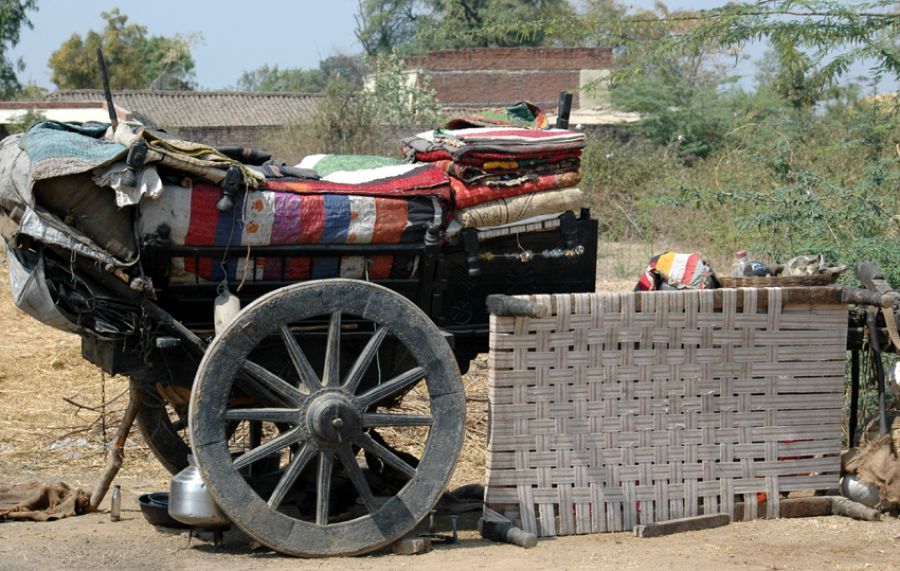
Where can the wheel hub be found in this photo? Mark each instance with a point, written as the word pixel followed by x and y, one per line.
pixel 332 419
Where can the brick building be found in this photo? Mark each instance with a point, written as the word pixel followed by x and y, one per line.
pixel 486 77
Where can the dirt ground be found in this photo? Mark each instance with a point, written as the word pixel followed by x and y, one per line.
pixel 52 428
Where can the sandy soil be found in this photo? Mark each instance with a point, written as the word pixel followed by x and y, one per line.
pixel 44 437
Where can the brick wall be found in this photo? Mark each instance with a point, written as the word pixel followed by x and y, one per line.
pixel 493 88
pixel 514 58
pixel 500 76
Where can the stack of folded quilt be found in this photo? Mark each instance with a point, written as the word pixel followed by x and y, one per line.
pixel 501 174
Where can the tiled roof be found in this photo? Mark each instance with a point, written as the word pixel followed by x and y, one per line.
pixel 173 109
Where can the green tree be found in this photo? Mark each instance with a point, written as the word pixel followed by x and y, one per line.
pixel 424 25
pixel 353 120
pixel 13 15
pixel 134 59
pixel 401 97
pixel 267 78
pixel 349 68
pixel 383 25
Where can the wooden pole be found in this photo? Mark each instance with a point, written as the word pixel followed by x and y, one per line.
pixel 118 451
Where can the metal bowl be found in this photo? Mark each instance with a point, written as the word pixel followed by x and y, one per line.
pixel 155 508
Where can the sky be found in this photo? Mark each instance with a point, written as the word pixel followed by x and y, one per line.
pixel 286 33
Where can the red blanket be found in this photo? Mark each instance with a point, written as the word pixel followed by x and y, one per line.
pixel 465 195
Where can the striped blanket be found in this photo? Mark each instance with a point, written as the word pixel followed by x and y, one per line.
pixel 266 217
pixel 398 181
pixel 674 270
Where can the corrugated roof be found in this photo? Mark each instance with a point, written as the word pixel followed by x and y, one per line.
pixel 173 109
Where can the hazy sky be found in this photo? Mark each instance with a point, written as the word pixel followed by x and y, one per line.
pixel 236 36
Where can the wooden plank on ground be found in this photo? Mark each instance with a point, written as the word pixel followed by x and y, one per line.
pixel 679 525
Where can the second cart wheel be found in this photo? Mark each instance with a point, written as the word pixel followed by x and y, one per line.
pixel 324 424
pixel 164 428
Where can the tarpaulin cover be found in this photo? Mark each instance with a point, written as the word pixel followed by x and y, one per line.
pixel 59 149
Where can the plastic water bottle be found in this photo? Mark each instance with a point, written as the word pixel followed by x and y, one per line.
pixel 745 267
pixel 740 262
pixel 115 504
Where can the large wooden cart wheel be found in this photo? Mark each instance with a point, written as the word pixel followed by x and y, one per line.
pixel 328 414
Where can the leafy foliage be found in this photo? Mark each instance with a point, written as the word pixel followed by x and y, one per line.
pixel 267 78
pixel 134 59
pixel 423 25
pixel 349 69
pixel 13 15
pixel 780 183
pixel 353 121
pixel 24 122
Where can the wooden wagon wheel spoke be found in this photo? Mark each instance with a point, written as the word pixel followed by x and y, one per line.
pixel 273 382
pixel 391 387
pixel 331 374
pixel 354 472
pixel 323 486
pixel 308 376
pixel 385 455
pixel 375 419
pixel 285 415
pixel 298 463
pixel 290 437
pixel 364 360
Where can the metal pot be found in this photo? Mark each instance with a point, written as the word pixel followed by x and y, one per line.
pixel 190 502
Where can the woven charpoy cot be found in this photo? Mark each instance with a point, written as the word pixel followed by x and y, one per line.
pixel 622 409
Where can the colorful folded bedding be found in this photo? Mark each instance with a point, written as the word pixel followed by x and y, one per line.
pixel 480 158
pixel 516 208
pixel 503 141
pixel 397 181
pixel 265 217
pixel 502 171
pixel 522 114
pixel 465 195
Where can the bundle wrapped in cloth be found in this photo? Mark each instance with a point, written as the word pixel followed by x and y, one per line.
pixel 492 161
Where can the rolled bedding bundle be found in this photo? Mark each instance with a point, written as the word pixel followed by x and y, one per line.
pixel 521 207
